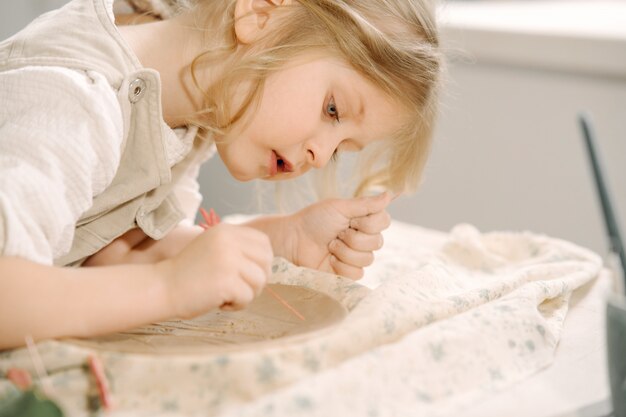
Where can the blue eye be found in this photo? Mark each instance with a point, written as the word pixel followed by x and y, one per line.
pixel 331 109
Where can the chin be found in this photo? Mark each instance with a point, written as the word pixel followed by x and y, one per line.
pixel 283 176
pixel 239 174
pixel 242 177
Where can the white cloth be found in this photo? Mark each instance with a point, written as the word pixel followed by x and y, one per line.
pixel 471 315
pixel 444 321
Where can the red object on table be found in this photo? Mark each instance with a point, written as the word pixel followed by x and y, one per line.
pixel 96 368
pixel 20 378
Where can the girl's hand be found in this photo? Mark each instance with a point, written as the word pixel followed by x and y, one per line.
pixel 340 236
pixel 226 266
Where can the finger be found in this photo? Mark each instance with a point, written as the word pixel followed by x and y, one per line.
pixel 362 206
pixel 255 246
pixel 371 224
pixel 132 238
pixel 262 257
pixel 345 270
pixel 255 276
pixel 241 294
pixel 252 235
pixel 251 244
pixel 350 256
pixel 360 241
pixel 245 233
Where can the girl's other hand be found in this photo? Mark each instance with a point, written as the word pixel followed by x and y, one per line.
pixel 227 266
pixel 340 236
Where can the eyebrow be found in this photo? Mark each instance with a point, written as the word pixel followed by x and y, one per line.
pixel 360 113
pixel 351 93
pixel 353 104
pixel 360 106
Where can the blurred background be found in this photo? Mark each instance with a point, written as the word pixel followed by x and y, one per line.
pixel 508 152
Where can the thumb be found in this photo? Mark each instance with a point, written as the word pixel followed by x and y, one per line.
pixel 362 206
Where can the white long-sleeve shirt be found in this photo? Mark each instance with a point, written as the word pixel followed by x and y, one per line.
pixel 61 134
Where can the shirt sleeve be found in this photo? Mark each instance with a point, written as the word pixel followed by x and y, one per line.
pixel 61 133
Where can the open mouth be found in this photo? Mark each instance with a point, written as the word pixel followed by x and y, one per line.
pixel 282 165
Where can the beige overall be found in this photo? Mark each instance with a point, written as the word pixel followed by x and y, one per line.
pixel 82 36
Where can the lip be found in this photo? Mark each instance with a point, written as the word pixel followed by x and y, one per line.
pixel 273 169
pixel 279 164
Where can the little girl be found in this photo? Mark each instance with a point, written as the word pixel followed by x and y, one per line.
pixel 103 129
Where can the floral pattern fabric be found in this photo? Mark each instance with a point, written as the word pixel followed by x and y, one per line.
pixel 439 320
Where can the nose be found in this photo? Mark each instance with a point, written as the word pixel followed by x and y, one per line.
pixel 320 151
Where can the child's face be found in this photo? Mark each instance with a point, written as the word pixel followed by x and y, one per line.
pixel 307 111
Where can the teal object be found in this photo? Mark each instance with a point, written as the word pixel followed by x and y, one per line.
pixel 31 403
pixel 616 244
pixel 616 349
pixel 616 303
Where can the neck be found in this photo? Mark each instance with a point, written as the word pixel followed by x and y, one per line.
pixel 179 42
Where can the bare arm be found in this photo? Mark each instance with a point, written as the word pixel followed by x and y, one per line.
pixel 184 275
pixel 135 247
pixel 45 301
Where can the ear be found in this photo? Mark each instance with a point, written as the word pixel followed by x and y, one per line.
pixel 252 16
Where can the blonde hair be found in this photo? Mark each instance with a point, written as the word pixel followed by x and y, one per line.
pixel 393 43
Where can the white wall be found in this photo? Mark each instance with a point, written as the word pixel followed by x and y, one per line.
pixel 15 14
pixel 509 153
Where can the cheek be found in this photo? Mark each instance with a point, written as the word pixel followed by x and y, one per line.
pixel 285 114
pixel 239 162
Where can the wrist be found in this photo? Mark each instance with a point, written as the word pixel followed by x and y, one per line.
pixel 279 229
pixel 163 290
pixel 286 237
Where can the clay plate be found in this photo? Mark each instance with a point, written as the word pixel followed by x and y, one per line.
pixel 265 322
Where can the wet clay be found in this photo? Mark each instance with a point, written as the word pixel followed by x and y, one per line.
pixel 265 321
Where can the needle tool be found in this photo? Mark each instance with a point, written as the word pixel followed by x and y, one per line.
pixel 212 219
pixel 616 246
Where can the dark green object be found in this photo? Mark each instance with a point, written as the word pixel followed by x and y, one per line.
pixel 616 244
pixel 616 349
pixel 616 304
pixel 29 403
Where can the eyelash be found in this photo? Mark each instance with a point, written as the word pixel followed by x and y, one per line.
pixel 334 113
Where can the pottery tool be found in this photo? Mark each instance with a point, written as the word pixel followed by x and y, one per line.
pixel 285 303
pixel 616 247
pixel 102 384
pixel 212 219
